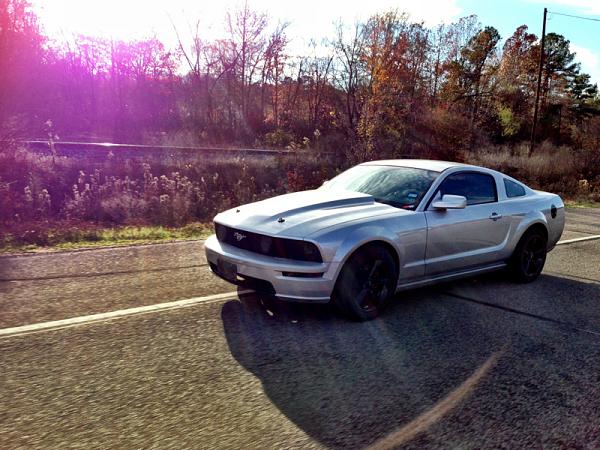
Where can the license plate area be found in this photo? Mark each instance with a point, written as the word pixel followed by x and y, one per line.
pixel 227 270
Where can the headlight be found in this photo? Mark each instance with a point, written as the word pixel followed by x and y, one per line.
pixel 221 232
pixel 300 251
pixel 311 252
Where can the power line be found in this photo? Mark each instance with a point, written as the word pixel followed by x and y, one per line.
pixel 541 65
pixel 574 16
pixel 539 85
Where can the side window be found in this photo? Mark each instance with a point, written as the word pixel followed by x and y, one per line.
pixel 513 189
pixel 476 187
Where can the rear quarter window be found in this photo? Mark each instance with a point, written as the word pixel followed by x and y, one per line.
pixel 513 189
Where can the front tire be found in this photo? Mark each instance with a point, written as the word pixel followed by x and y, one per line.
pixel 366 283
pixel 528 259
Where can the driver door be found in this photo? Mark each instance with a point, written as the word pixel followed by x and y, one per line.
pixel 470 237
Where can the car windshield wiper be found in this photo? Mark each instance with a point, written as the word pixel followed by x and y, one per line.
pixel 389 202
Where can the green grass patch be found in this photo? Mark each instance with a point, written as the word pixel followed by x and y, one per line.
pixel 75 238
pixel 581 204
pixel 56 236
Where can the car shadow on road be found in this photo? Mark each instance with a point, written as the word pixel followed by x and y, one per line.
pixel 349 384
pixel 573 302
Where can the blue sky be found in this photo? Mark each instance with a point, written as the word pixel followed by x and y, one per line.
pixel 314 19
pixel 507 15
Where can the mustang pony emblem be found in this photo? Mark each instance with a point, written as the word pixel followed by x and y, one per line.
pixel 239 236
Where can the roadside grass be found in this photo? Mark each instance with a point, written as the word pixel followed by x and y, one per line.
pixel 70 203
pixel 76 238
pixel 582 204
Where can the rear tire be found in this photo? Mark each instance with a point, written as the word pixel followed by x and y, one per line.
pixel 366 283
pixel 528 259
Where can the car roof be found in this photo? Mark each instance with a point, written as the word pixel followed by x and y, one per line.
pixel 427 164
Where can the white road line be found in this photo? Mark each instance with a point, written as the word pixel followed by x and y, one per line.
pixel 83 320
pixel 581 239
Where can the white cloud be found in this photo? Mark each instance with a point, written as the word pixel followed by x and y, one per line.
pixel 590 61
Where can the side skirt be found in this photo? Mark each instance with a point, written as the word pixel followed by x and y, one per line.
pixel 451 276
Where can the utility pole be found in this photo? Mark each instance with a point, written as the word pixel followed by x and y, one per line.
pixel 539 85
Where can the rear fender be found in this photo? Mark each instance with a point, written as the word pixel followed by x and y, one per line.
pixel 530 219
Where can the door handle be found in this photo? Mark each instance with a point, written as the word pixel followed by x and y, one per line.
pixel 495 216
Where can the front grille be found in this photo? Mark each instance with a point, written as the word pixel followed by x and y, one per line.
pixel 269 246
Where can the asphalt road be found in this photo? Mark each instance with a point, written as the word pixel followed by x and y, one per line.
pixel 480 363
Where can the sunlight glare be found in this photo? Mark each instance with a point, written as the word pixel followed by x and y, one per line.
pixel 139 19
pixel 114 19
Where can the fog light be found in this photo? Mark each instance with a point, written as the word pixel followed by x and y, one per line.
pixel 302 274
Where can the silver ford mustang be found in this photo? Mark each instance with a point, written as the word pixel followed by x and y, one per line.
pixel 385 226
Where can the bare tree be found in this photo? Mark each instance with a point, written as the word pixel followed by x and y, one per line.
pixel 348 52
pixel 247 41
pixel 317 75
pixel 273 65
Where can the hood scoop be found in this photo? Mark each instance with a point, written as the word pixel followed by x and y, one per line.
pixel 298 202
pixel 299 213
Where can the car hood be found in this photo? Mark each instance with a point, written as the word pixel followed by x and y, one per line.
pixel 300 214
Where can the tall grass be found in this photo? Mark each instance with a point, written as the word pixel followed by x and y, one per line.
pixel 40 192
pixel 46 200
pixel 572 174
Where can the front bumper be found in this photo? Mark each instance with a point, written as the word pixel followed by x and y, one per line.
pixel 265 273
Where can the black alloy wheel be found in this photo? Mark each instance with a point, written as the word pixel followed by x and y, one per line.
pixel 366 283
pixel 530 256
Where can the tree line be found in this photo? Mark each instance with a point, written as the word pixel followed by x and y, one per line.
pixel 385 87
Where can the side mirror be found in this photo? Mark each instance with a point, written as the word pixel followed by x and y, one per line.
pixel 450 202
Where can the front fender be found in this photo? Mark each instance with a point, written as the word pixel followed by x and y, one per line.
pixel 406 235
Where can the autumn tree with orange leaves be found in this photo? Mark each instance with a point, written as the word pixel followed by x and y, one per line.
pixel 384 87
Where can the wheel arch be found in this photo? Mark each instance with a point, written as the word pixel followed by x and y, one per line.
pixel 539 226
pixel 350 301
pixel 522 231
pixel 388 246
pixel 529 221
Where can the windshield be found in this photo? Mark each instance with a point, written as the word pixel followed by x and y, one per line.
pixel 402 187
